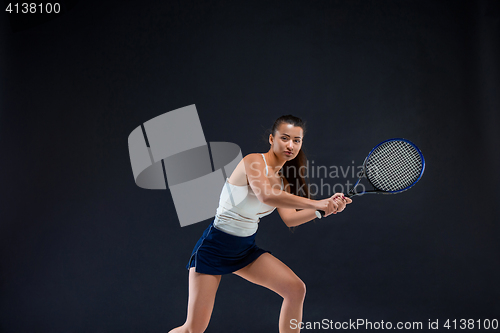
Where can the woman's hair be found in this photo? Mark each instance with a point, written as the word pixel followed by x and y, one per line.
pixel 295 170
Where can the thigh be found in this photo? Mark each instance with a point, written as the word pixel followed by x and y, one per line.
pixel 202 290
pixel 270 272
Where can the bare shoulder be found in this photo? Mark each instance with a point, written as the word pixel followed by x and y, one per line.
pixel 253 157
pixel 253 162
pixel 249 162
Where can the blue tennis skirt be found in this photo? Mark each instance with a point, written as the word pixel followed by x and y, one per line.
pixel 218 252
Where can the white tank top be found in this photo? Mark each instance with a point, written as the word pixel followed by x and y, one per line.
pixel 239 210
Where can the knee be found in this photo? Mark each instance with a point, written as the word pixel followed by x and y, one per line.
pixel 188 329
pixel 195 329
pixel 295 290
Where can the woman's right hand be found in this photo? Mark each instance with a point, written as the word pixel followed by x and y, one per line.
pixel 333 205
pixel 329 206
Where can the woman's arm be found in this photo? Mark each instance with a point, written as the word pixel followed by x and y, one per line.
pixel 293 217
pixel 274 196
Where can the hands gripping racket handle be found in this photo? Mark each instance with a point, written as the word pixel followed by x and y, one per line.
pixel 321 213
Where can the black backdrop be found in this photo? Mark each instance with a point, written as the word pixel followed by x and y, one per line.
pixel 83 249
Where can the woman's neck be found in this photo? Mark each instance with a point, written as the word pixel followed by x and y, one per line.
pixel 273 162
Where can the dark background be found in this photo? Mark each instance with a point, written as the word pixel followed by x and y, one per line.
pixel 83 249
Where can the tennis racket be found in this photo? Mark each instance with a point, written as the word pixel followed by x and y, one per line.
pixel 392 167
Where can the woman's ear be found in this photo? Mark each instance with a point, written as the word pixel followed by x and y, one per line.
pixel 271 139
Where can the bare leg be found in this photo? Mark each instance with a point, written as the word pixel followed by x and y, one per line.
pixel 270 272
pixel 202 290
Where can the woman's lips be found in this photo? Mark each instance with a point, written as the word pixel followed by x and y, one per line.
pixel 288 153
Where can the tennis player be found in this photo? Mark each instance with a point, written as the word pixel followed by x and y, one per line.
pixel 256 187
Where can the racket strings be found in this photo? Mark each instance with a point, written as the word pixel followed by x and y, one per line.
pixel 394 166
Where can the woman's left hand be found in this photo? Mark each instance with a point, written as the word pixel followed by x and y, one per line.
pixel 341 201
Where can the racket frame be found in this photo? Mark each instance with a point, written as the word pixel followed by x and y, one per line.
pixel 376 190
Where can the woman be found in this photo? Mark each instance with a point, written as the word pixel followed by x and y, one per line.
pixel 255 188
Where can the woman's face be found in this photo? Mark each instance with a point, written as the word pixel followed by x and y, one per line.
pixel 287 141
